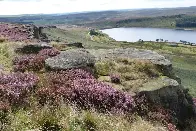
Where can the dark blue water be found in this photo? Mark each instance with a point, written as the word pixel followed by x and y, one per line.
pixel 151 34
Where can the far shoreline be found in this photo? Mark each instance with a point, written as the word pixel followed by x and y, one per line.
pixel 185 29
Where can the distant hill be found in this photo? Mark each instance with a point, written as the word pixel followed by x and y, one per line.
pixel 162 17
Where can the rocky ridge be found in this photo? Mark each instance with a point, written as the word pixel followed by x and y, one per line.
pixel 18 32
pixel 164 91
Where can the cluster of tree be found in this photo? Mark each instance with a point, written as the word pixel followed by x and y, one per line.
pixel 133 20
pixel 95 33
pixel 186 21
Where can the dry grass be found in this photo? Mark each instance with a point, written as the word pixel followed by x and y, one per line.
pixel 67 118
pixel 6 55
pixel 133 73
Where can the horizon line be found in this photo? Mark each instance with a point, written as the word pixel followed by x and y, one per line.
pixel 79 12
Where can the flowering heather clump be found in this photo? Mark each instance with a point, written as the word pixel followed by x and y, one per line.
pixel 80 87
pixel 157 113
pixel 160 114
pixel 115 78
pixel 49 52
pixel 33 62
pixel 91 93
pixel 28 62
pixel 49 95
pixel 15 87
pixel 14 32
pixel 59 83
pixel 21 63
pixel 154 113
pixel 24 59
pixel 62 77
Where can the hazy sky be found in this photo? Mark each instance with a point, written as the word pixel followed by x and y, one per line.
pixel 13 7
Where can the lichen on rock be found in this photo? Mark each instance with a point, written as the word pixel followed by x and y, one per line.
pixel 75 58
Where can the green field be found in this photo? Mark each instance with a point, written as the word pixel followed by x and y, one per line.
pixel 185 68
pixel 71 35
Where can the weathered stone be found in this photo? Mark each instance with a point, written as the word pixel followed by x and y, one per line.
pixel 159 60
pixel 32 48
pixel 36 32
pixel 158 83
pixel 71 59
pixel 133 53
pixel 167 93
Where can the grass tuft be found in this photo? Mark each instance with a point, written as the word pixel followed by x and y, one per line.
pixel 131 73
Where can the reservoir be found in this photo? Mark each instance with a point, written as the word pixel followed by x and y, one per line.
pixel 151 34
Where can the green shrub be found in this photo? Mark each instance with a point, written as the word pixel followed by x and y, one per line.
pixel 104 68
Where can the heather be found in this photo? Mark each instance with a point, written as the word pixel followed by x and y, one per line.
pixel 77 90
pixel 16 87
pixel 15 32
pixel 33 62
pixel 45 102
pixel 110 94
pixel 80 87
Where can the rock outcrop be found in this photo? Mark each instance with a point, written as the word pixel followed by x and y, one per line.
pixel 77 58
pixel 164 92
pixel 159 60
pixel 167 93
pixel 131 53
pixel 32 48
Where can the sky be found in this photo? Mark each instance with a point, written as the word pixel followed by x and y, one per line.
pixel 15 7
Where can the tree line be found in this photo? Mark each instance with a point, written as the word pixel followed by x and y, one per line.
pixel 186 21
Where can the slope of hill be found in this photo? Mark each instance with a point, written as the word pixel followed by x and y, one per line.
pixel 109 19
pixel 101 85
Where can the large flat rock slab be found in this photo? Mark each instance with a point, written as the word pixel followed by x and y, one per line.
pixel 133 53
pixel 76 58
